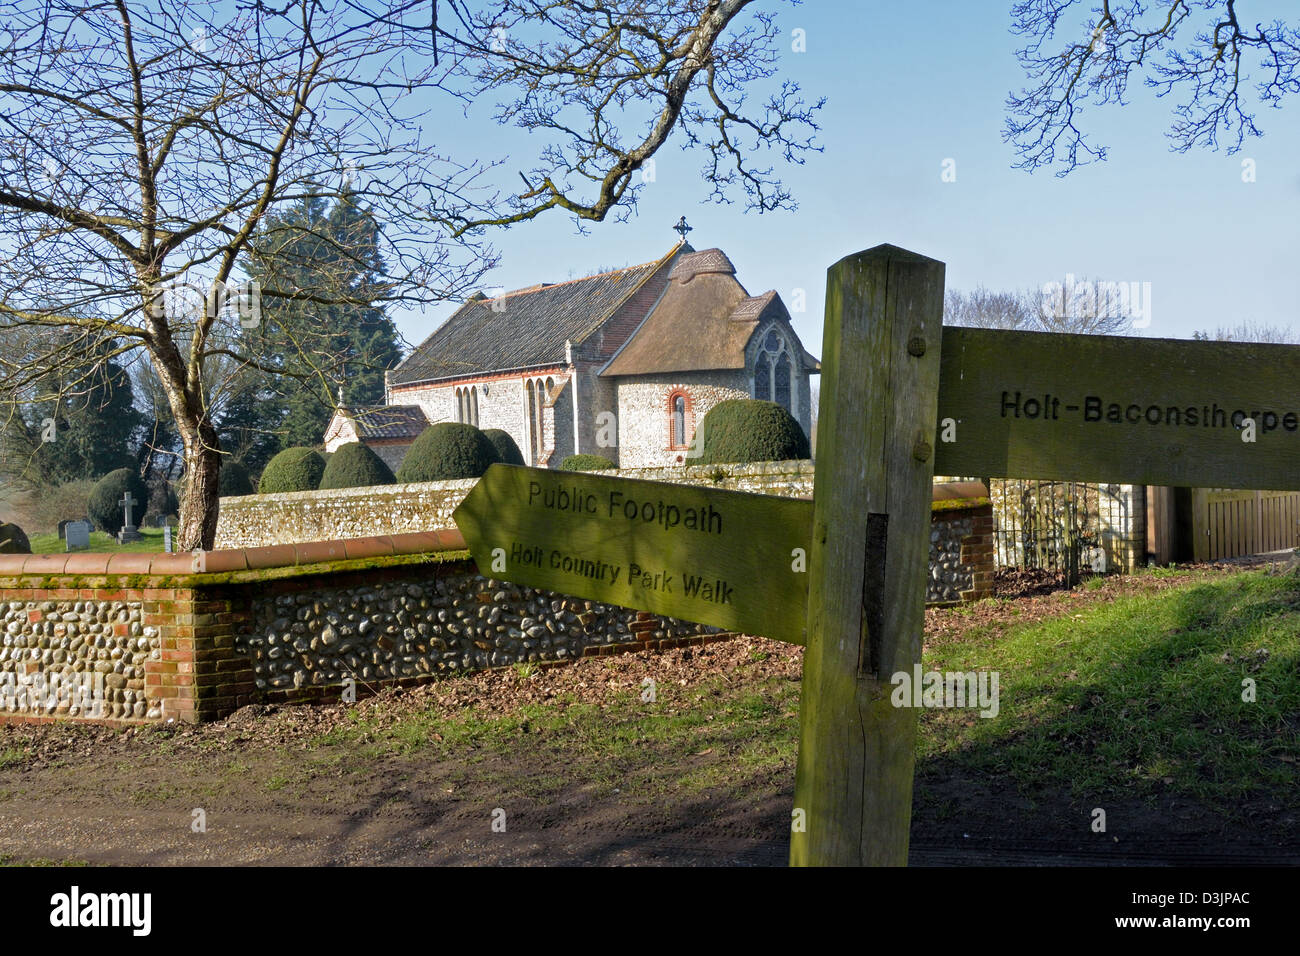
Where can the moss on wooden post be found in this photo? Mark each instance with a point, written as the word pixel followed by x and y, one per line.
pixel 870 552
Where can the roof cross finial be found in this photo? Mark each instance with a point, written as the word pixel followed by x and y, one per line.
pixel 682 228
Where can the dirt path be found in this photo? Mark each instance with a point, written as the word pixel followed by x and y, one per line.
pixel 416 778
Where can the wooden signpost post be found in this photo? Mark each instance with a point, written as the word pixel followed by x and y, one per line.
pixel 845 574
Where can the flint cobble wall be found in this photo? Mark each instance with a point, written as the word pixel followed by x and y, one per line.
pixel 103 648
pixel 136 637
pixel 254 521
pixel 76 658
pixel 310 635
pixel 961 540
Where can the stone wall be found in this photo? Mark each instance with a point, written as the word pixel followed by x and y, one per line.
pixel 139 637
pixel 76 658
pixel 129 637
pixel 961 565
pixel 294 517
pixel 255 520
pixel 961 552
pixel 319 631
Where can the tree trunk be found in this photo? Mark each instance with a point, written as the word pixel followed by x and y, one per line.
pixel 199 503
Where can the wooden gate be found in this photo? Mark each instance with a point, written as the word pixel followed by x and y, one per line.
pixel 1230 524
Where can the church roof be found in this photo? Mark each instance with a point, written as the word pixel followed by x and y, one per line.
pixel 703 322
pixel 528 327
pixel 387 421
pixel 698 263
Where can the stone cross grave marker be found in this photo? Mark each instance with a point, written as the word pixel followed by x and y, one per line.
pixel 901 396
pixel 77 534
pixel 129 531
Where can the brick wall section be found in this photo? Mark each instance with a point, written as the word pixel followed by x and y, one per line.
pixel 170 681
pixel 977 551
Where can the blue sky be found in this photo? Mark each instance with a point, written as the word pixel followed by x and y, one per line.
pixel 909 85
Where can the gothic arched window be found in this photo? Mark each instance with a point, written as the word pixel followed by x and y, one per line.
pixel 774 371
pixel 467 405
pixel 531 391
pixel 763 378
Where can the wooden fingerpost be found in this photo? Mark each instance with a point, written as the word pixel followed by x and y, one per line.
pixel 870 556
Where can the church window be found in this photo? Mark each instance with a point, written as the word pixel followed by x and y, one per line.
pixel 532 421
pixel 763 378
pixel 679 413
pixel 774 371
pixel 467 405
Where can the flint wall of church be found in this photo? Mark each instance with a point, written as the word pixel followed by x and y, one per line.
pixel 502 403
pixel 596 396
pixel 644 421
pixel 961 556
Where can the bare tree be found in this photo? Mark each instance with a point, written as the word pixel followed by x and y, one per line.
pixel 1251 331
pixel 1079 306
pixel 1199 50
pixel 142 146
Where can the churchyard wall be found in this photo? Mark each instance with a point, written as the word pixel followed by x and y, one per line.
pixel 269 618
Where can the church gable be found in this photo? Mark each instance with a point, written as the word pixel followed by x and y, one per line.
pixel 705 321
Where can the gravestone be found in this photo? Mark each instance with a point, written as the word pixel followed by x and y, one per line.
pixel 77 534
pixel 129 531
pixel 167 538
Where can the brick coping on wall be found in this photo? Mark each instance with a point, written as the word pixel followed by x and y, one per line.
pixel 230 562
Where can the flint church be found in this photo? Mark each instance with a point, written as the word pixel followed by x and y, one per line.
pixel 621 364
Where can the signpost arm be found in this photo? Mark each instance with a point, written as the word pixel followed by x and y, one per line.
pixel 869 557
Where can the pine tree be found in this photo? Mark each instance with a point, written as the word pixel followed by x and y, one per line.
pixel 86 424
pixel 322 251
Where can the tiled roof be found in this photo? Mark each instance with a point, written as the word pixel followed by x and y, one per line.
pixel 523 329
pixel 388 421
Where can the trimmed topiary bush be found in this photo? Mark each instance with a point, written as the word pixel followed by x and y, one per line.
pixel 586 463
pixel 234 480
pixel 507 451
pixel 105 505
pixel 448 450
pixel 747 429
pixel 356 465
pixel 13 541
pixel 294 469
